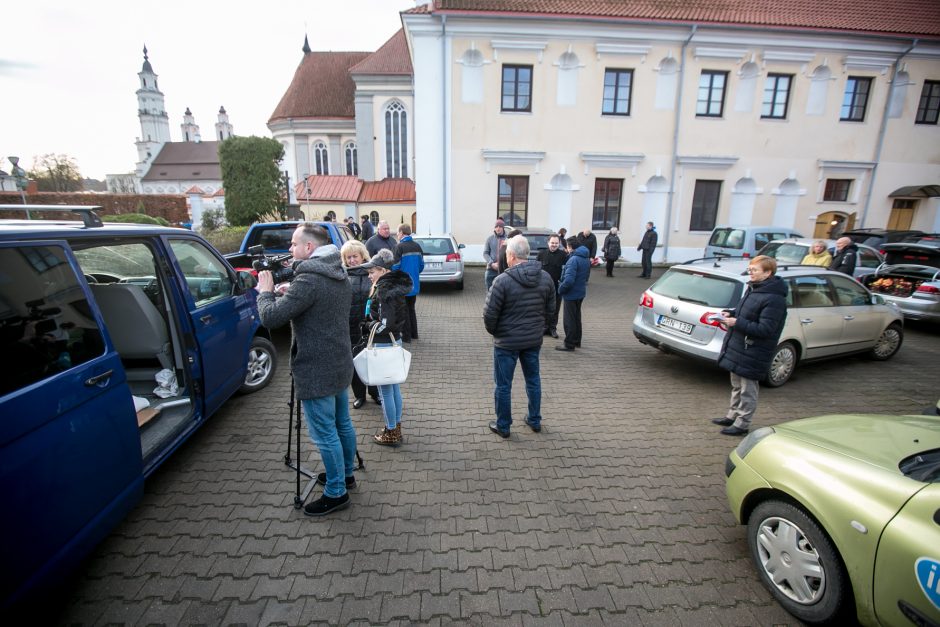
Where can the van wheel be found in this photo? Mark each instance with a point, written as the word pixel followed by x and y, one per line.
pixel 782 365
pixel 458 285
pixel 888 344
pixel 262 363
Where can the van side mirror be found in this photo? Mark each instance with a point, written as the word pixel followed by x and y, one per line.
pixel 245 281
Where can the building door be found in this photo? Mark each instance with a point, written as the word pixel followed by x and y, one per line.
pixel 832 224
pixel 902 214
pixel 414 221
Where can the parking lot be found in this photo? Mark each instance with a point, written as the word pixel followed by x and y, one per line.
pixel 615 513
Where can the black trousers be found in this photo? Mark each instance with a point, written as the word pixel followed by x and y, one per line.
pixel 359 388
pixel 573 323
pixel 647 262
pixel 610 267
pixel 411 328
pixel 552 323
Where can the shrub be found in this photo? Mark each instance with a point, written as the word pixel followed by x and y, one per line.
pixel 136 218
pixel 227 239
pixel 212 220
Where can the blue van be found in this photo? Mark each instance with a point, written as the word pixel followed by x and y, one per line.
pixel 118 341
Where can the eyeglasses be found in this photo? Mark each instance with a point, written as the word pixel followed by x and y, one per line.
pixel 754 269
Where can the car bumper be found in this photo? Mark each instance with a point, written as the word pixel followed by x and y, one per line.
pixel 916 308
pixel 442 277
pixel 741 481
pixel 670 342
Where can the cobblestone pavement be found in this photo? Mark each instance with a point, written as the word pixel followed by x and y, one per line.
pixel 614 514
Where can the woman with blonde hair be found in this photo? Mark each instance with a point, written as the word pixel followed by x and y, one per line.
pixel 354 254
pixel 818 255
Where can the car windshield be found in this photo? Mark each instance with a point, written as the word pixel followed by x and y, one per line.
pixel 727 238
pixel 785 252
pixel 435 245
pixel 922 466
pixel 697 287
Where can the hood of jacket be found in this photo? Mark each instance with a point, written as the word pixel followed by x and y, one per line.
pixel 357 271
pixel 770 285
pixel 582 251
pixel 326 261
pixel 394 283
pixel 527 273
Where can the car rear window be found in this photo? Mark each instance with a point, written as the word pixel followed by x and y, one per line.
pixel 436 245
pixel 697 287
pixel 785 252
pixel 537 241
pixel 727 238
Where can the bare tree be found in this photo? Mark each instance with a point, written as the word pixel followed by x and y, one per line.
pixel 121 184
pixel 56 173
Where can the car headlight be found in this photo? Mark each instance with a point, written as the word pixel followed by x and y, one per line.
pixel 751 440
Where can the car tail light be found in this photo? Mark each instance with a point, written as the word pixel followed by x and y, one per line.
pixel 746 255
pixel 928 289
pixel 646 301
pixel 713 319
pixel 453 257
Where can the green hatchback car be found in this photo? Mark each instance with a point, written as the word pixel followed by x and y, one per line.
pixel 843 516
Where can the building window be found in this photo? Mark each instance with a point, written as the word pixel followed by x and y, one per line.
pixel 929 107
pixel 330 216
pixel 711 94
pixel 517 88
pixel 374 218
pixel 856 99
pixel 352 159
pixel 617 87
pixel 607 194
pixel 705 205
pixel 396 141
pixel 776 96
pixel 321 158
pixel 513 200
pixel 837 190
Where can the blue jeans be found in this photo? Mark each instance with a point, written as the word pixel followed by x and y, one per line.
pixel 333 433
pixel 504 367
pixel 391 399
pixel 489 277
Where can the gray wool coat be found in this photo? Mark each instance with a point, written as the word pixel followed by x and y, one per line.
pixel 317 306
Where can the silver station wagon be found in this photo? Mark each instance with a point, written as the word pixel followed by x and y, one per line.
pixel 828 314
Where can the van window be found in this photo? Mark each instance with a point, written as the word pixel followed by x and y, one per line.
pixel 727 238
pixel 206 276
pixel 46 324
pixel 694 287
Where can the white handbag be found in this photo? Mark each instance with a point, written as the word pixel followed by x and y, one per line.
pixel 382 365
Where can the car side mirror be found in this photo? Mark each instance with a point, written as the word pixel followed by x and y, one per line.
pixel 245 281
pixel 459 246
pixel 877 299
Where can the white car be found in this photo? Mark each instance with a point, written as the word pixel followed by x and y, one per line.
pixel 791 251
pixel 443 262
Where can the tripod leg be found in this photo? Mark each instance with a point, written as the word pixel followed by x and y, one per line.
pixel 290 419
pixel 298 502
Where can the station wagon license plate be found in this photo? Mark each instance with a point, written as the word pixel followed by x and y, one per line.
pixel 678 325
pixel 434 265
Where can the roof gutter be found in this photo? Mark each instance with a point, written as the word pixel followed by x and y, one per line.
pixel 882 131
pixel 445 180
pixel 675 144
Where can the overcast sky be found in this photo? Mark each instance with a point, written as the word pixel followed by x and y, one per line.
pixel 68 70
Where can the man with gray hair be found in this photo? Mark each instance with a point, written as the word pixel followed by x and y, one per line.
pixel 517 307
pixel 383 238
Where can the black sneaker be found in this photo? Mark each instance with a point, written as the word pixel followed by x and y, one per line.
pixel 326 504
pixel 723 422
pixel 535 427
pixel 350 481
pixel 495 429
pixel 733 431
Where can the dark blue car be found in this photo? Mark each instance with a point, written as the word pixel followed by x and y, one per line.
pixel 118 341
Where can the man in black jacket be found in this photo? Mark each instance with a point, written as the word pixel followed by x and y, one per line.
pixel 517 306
pixel 846 256
pixel 754 327
pixel 587 239
pixel 647 246
pixel 553 260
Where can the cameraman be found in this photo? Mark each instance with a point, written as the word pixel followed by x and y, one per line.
pixel 317 306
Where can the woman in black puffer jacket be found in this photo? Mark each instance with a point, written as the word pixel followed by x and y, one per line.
pixel 354 254
pixel 386 306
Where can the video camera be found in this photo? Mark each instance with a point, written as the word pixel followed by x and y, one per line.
pixel 274 263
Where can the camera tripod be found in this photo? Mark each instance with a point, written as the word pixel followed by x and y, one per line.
pixel 293 424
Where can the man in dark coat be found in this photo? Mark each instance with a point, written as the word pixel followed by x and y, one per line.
pixel 754 327
pixel 367 229
pixel 647 246
pixel 409 258
pixel 573 288
pixel 353 227
pixel 553 260
pixel 517 306
pixel 846 256
pixel 587 239
pixel 383 238
pixel 316 305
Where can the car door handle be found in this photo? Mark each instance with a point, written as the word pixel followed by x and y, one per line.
pixel 206 319
pixel 848 317
pixel 101 379
pixel 806 320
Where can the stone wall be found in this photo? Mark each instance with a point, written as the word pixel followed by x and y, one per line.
pixel 170 207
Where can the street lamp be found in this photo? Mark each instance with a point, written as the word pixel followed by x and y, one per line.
pixel 19 174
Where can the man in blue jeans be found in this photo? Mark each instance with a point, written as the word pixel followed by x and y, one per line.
pixel 517 307
pixel 317 306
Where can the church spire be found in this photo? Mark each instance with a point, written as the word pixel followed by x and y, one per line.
pixel 306 48
pixel 146 67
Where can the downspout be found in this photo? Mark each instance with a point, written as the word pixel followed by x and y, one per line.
pixel 882 131
pixel 444 130
pixel 675 145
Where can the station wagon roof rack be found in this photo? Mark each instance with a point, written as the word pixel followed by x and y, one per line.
pixel 90 219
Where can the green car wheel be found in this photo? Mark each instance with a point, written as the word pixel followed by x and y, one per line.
pixel 798 563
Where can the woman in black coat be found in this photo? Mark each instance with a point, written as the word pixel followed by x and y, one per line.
pixel 611 250
pixel 386 307
pixel 354 254
pixel 754 327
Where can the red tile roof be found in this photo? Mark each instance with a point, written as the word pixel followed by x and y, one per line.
pixel 329 188
pixel 388 190
pixel 321 87
pixel 392 58
pixel 186 160
pixel 900 17
pixel 195 189
pixel 219 192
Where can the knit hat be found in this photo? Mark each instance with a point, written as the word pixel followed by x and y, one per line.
pixel 499 222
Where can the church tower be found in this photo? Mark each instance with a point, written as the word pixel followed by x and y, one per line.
pixel 154 122
pixel 189 127
pixel 223 128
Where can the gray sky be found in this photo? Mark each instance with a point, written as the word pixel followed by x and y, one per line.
pixel 68 70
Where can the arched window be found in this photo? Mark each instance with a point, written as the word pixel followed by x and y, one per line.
pixel 321 158
pixel 396 141
pixel 374 218
pixel 352 159
pixel 331 216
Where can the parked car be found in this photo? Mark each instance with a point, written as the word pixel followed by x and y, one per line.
pixel 910 278
pixel 792 251
pixel 828 315
pixel 443 262
pixel 744 241
pixel 876 237
pixel 118 342
pixel 842 516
